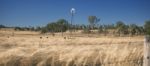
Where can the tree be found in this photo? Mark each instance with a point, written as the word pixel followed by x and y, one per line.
pixel 121 28
pixel 63 25
pixel 18 28
pixel 38 28
pixel 59 26
pixel 147 27
pixel 141 30
pixel 44 30
pixel 86 30
pixel 105 29
pixel 100 29
pixel 2 26
pixel 133 29
pixel 32 29
pixel 93 20
pixel 52 27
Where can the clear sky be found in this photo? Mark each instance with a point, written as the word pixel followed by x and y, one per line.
pixel 41 12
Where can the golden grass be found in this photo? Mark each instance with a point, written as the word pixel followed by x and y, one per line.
pixel 30 50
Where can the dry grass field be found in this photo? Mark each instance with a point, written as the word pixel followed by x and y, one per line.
pixel 28 49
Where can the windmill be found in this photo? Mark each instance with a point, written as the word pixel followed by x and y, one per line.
pixel 72 16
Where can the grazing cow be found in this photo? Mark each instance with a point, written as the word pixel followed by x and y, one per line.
pixel 46 37
pixel 40 37
pixel 64 37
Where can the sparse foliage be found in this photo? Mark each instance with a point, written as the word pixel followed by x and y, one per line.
pixel 93 20
pixel 62 25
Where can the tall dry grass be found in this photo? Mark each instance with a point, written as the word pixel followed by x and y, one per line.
pixel 31 50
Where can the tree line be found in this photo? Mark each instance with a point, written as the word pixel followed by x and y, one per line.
pixel 94 26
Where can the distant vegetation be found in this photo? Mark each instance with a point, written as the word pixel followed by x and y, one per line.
pixel 2 26
pixel 62 25
pixel 147 27
pixel 59 26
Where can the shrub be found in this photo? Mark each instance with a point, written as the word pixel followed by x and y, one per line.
pixel 147 27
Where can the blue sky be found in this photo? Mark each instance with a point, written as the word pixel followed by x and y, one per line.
pixel 41 12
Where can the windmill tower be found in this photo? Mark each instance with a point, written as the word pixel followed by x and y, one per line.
pixel 72 17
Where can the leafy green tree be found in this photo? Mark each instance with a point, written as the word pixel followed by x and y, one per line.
pixel 93 20
pixel 51 27
pixel 141 30
pixel 63 24
pixel 147 27
pixel 59 26
pixel 133 29
pixel 121 28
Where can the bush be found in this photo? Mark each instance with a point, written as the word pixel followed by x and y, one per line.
pixel 147 27
pixel 2 26
pixel 44 30
pixel 86 30
pixel 60 26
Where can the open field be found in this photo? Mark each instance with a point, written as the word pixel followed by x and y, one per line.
pixel 28 49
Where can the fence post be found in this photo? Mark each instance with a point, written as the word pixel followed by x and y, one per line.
pixel 146 61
